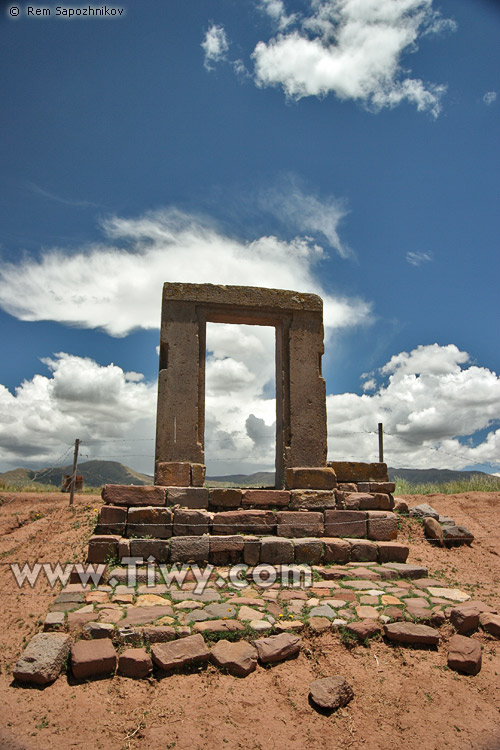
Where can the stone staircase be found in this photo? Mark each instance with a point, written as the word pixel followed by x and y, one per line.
pixel 346 517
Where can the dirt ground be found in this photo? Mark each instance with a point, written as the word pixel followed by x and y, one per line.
pixel 404 697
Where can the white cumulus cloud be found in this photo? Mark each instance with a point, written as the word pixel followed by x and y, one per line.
pixel 431 398
pixel 215 46
pixel 437 409
pixel 78 398
pixel 351 48
pixel 116 285
pixel 490 97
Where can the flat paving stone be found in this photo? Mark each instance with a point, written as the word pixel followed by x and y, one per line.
pixel 412 633
pixel 323 611
pixel 183 652
pixel 206 597
pixel 93 658
pixel 455 595
pixel 219 611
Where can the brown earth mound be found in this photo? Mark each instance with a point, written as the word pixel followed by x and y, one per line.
pixel 402 696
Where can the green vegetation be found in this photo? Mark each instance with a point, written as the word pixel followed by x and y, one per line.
pixel 39 487
pixel 477 483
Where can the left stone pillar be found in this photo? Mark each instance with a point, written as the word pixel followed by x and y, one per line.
pixel 181 385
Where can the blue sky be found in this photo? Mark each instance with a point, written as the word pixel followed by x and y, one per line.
pixel 344 147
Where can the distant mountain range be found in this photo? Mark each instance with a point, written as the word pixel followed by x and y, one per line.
pixel 97 473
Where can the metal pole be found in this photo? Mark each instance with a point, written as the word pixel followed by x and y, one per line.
pixel 380 442
pixel 73 476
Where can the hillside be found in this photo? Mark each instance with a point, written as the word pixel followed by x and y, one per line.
pixel 95 474
pixel 434 476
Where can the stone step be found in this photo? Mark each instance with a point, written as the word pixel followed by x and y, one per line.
pixel 164 522
pixel 347 496
pixel 252 550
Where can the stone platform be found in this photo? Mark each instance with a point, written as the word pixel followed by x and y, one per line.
pixel 352 521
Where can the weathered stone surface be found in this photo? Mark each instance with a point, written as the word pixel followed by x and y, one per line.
pixel 53 621
pixel 244 522
pixel 433 530
pixel 149 514
pixel 189 549
pixel 312 499
pixel 226 550
pixel 382 525
pixel 198 474
pixel 43 658
pixel 400 505
pixel 128 494
pixel 300 523
pixel 490 623
pixel 276 550
pixel 408 632
pixel 151 521
pixel 465 618
pixel 188 497
pixel 238 658
pixel 345 523
pixel 277 647
pixel 366 612
pixel 218 626
pixel 354 471
pixel 221 497
pixel 308 550
pixel 366 501
pixel 407 570
pixel 157 548
pixel 99 629
pixel 181 653
pixel 385 487
pixel 336 550
pixel 102 548
pixel 287 625
pixel 464 654
pixel 206 596
pixel 454 536
pixel 92 658
pixel 78 619
pixel 112 520
pixel 363 551
pixel 158 633
pixel 422 511
pixel 454 595
pixel 319 624
pixel 323 610
pixel 331 693
pixel 392 552
pixel 351 487
pixel 173 473
pixel 135 662
pixel 301 432
pixel 251 550
pixel 189 522
pixel 141 615
pixel 314 478
pixel 265 498
pixel 364 628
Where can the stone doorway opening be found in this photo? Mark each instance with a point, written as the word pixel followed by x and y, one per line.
pixel 300 388
pixel 240 400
